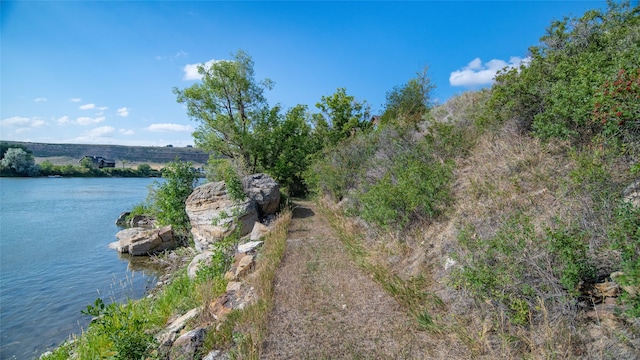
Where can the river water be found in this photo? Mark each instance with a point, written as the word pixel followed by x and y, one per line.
pixel 54 259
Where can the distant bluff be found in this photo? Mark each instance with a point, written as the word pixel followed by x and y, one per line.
pixel 141 154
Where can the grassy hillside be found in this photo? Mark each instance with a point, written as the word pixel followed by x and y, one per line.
pixel 72 153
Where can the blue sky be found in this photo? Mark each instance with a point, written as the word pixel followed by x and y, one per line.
pixel 103 72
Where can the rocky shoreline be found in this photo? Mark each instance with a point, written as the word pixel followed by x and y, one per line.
pixel 213 215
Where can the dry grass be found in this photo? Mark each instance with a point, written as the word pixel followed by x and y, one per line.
pixel 326 307
pixel 507 176
pixel 246 329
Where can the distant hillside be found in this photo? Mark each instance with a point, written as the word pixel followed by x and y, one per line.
pixel 119 153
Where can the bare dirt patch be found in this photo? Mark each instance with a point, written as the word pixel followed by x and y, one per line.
pixel 326 307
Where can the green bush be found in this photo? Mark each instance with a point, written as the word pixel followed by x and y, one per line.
pixel 168 198
pixel 581 81
pixel 123 327
pixel 416 187
pixel 223 170
pixel 494 268
pixel 569 246
pixel 337 170
pixel 624 233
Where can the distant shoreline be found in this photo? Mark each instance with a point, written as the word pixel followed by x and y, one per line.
pixel 124 156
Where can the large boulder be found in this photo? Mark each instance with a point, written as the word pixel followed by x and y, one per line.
pixel 213 214
pixel 140 241
pixel 264 191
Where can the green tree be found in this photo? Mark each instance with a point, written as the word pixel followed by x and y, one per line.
pixel 144 169
pixel 18 162
pixel 410 102
pixel 87 162
pixel 228 103
pixel 169 197
pixel 342 115
pixel 4 146
pixel 294 146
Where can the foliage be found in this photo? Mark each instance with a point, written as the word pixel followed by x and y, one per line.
pixel 407 104
pixel 415 187
pixel 145 169
pixel 18 162
pixel 494 268
pixel 337 169
pixel 228 103
pixel 123 327
pixel 569 245
pixel 292 145
pixel 169 197
pixel 87 162
pixel 624 232
pixel 342 116
pixel 578 78
pixel 223 170
pixel 4 146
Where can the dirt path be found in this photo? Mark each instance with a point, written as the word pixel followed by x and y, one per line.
pixel 325 307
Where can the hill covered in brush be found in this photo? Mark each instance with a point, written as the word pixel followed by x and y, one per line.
pixel 119 153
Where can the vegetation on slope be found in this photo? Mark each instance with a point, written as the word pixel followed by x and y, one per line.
pixel 509 200
pixel 496 219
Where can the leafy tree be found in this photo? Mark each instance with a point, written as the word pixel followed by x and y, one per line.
pixel 169 197
pixel 228 103
pixel 410 102
pixel 294 146
pixel 144 169
pixel 342 115
pixel 4 146
pixel 87 162
pixel 18 162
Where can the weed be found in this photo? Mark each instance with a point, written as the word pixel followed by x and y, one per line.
pixel 570 247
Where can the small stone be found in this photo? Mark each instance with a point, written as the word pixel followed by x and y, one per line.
pixel 259 231
pixel 234 286
pixel 248 247
pixel 244 266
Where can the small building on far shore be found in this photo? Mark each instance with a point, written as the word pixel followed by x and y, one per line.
pixel 100 162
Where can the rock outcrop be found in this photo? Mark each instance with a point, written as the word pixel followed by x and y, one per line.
pixel 214 214
pixel 264 191
pixel 140 241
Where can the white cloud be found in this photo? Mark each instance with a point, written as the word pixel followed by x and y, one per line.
pixel 191 70
pixel 123 111
pixel 100 131
pixel 102 108
pixel 16 121
pixel 126 132
pixel 89 121
pixel 63 120
pixel 179 54
pixel 476 73
pixel 75 100
pixel 169 127
pixel 87 106
pixel 22 124
pixel 40 99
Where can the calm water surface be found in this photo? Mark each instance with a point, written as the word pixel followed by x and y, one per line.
pixel 54 259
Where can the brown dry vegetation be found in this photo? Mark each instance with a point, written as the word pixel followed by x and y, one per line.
pixel 483 278
pixel 506 175
pixel 325 307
